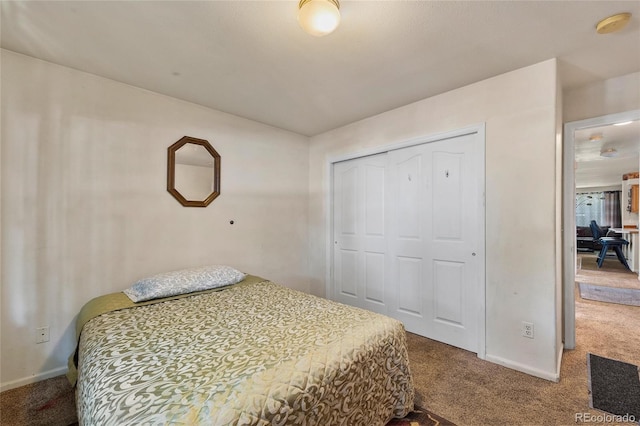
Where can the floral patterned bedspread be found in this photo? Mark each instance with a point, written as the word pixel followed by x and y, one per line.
pixel 252 354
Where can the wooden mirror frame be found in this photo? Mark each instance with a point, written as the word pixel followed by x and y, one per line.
pixel 171 172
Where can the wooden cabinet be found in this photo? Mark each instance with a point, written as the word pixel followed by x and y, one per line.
pixel 634 198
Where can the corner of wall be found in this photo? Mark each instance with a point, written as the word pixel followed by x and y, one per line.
pixel 559 246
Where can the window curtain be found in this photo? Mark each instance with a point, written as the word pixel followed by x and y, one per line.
pixel 603 207
pixel 612 212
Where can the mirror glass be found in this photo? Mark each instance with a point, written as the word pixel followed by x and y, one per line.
pixel 193 172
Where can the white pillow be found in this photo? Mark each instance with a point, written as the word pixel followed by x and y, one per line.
pixel 183 281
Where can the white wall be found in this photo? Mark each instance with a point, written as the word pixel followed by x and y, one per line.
pixel 85 209
pixel 611 96
pixel 520 110
pixel 559 181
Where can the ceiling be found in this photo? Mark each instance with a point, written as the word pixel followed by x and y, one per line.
pixel 251 59
pixel 592 169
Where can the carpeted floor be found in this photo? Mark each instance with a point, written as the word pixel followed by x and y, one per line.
pixel 612 273
pixel 421 417
pixel 468 391
pixel 453 383
pixel 47 403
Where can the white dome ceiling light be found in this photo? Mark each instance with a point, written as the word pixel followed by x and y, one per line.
pixel 319 17
pixel 609 152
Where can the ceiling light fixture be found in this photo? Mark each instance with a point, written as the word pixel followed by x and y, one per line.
pixel 595 137
pixel 319 17
pixel 613 23
pixel 609 152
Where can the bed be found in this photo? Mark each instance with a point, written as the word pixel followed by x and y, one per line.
pixel 251 353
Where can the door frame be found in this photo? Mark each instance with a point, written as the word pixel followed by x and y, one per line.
pixel 569 214
pixel 480 130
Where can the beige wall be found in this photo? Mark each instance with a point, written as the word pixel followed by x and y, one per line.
pixel 85 209
pixel 520 110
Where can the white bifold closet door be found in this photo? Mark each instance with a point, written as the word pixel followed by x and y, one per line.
pixel 408 240
pixel 360 242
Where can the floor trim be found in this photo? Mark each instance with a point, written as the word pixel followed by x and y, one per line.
pixel 33 379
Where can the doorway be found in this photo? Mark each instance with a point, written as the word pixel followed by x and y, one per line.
pixel 569 212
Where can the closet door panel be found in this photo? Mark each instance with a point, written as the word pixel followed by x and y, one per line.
pixel 345 259
pixel 448 193
pixel 406 237
pixel 433 240
pixel 453 246
pixel 408 284
pixel 359 232
pixel 449 292
pixel 374 278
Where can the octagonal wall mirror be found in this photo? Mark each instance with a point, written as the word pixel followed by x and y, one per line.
pixel 193 172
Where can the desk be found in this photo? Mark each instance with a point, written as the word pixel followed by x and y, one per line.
pixel 630 251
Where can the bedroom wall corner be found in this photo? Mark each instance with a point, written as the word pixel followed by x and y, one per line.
pixel 85 210
pixel 559 220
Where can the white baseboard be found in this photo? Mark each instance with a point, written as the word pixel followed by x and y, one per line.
pixel 552 376
pixel 33 379
pixel 559 361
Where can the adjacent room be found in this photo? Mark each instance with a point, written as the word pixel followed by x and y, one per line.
pixel 319 212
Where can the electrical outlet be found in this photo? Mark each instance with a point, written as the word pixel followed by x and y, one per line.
pixel 42 334
pixel 527 329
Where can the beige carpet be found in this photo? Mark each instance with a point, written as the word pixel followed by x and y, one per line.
pixel 495 395
pixel 49 402
pixel 612 273
pixel 468 391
